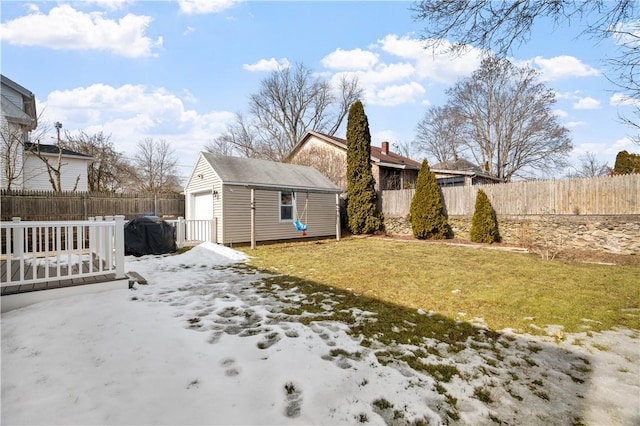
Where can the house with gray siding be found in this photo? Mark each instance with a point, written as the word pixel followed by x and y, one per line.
pixel 252 200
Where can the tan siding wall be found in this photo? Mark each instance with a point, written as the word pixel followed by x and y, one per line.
pixel 208 182
pixel 320 217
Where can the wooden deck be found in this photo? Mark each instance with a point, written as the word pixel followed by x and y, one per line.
pixel 56 279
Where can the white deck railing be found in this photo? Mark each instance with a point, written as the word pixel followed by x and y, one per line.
pixel 193 230
pixel 40 251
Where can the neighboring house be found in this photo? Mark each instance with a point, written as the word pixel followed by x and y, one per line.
pixel 20 167
pixel 259 200
pixel 73 168
pixel 461 173
pixel 329 155
pixel 18 118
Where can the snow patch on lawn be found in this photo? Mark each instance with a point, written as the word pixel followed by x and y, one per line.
pixel 208 342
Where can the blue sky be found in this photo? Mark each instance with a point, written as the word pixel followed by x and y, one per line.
pixel 178 70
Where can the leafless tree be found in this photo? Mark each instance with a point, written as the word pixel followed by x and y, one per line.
pixel 15 140
pixel 507 121
pixel 12 149
pixel 109 171
pixel 239 138
pixel 626 68
pixel 499 26
pixel 439 133
pixel 290 101
pixel 53 163
pixel 155 164
pixel 326 161
pixel 590 166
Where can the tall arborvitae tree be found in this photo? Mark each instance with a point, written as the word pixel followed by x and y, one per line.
pixel 363 216
pixel 427 216
pixel 484 224
pixel 627 163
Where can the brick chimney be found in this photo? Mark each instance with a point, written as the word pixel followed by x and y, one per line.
pixel 385 148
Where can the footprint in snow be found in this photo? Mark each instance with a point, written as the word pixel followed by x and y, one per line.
pixel 293 399
pixel 269 340
pixel 230 367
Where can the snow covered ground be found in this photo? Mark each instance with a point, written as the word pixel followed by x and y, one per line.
pixel 201 344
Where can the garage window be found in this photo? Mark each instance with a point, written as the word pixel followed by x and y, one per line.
pixel 286 206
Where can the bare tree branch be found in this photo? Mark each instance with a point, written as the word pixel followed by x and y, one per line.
pixel 506 120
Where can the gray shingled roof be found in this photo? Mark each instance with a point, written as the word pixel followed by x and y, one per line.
pixel 264 173
pixel 52 149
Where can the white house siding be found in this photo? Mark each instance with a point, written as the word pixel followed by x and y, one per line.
pixel 15 156
pixel 37 178
pixel 320 218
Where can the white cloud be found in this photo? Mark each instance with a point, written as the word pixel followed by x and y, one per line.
pixel 397 94
pixel 188 31
pixel 587 103
pixel 66 28
pixel 356 59
pixel 561 67
pixel 573 124
pixel 627 33
pixel 620 99
pixel 131 113
pixel 200 7
pixel 437 64
pixel 561 113
pixel 268 65
pixel 605 151
pixel 108 4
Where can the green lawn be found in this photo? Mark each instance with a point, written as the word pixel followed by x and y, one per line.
pixel 507 290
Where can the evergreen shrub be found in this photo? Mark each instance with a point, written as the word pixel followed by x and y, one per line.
pixel 484 224
pixel 426 214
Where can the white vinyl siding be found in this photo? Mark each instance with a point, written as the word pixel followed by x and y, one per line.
pixel 72 169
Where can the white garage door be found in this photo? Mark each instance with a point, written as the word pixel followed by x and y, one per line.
pixel 199 227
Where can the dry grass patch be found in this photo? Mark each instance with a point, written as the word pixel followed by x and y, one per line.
pixel 507 290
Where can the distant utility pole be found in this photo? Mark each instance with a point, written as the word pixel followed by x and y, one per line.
pixel 58 126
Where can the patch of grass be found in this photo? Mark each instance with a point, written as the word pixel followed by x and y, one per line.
pixel 382 404
pixel 362 418
pixel 483 395
pixel 600 347
pixel 599 292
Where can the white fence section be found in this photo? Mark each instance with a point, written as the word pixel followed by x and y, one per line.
pixel 40 251
pixel 194 230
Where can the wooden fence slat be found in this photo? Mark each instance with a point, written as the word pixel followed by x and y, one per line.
pixel 49 205
pixel 604 195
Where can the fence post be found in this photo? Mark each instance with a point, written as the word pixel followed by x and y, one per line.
pixel 18 239
pixel 119 243
pixel 180 232
pixel 214 231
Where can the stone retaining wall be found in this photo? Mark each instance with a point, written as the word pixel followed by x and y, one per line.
pixel 613 234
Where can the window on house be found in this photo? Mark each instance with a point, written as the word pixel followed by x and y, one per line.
pixel 286 206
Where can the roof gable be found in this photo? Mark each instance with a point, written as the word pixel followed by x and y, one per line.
pixel 265 173
pixel 377 156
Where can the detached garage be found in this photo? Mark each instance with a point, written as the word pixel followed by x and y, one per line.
pixel 250 200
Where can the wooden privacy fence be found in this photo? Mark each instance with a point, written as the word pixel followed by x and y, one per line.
pixel 606 195
pixel 66 205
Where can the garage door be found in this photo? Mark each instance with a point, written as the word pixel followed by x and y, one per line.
pixel 203 206
pixel 202 212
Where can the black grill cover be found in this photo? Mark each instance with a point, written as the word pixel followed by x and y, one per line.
pixel 149 235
